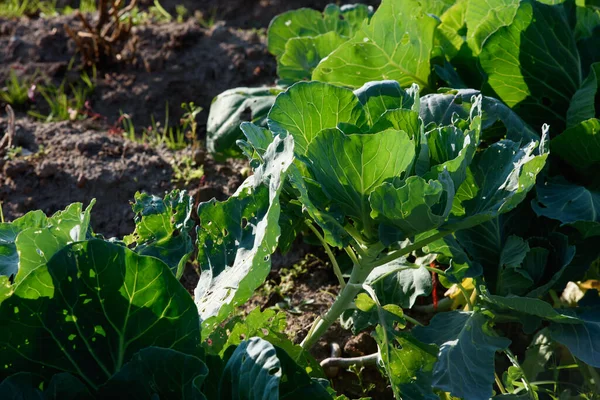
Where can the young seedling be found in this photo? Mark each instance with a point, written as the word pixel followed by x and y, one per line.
pixel 66 102
pixel 16 91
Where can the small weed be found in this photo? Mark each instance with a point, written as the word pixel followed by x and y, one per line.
pixel 17 90
pixel 289 276
pixel 157 134
pixel 21 8
pixel 127 129
pixel 66 103
pixel 155 14
pixel 188 121
pixel 186 170
pixel 87 6
pixel 366 389
pixel 259 32
pixel 14 8
pixel 171 136
pixel 13 153
pixel 206 20
pixel 287 305
pixel 181 12
pixel 160 13
pixel 43 8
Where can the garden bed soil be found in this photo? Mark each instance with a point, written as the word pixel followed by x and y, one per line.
pixel 76 161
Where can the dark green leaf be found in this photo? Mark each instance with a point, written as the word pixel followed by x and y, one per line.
pixel 582 340
pixel 21 386
pixel 579 145
pixel 528 306
pixel 253 372
pixel 539 352
pixel 584 104
pixel 501 177
pixel 570 204
pixel 533 65
pixel 231 108
pixel 441 107
pixel 451 252
pixel 465 365
pixel 160 373
pixel 295 383
pixel 408 364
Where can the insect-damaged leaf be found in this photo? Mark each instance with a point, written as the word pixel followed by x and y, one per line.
pixel 498 179
pixel 9 258
pixel 408 364
pixel 229 109
pixel 38 243
pixel 162 228
pixel 237 237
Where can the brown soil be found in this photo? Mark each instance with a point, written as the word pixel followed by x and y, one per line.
pixel 65 162
pixel 310 293
pixel 68 162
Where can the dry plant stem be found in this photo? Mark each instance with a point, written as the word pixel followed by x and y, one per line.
pixel 336 352
pixel 339 362
pixel 95 42
pixel 9 136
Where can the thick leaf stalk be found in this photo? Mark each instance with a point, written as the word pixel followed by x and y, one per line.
pixel 360 272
